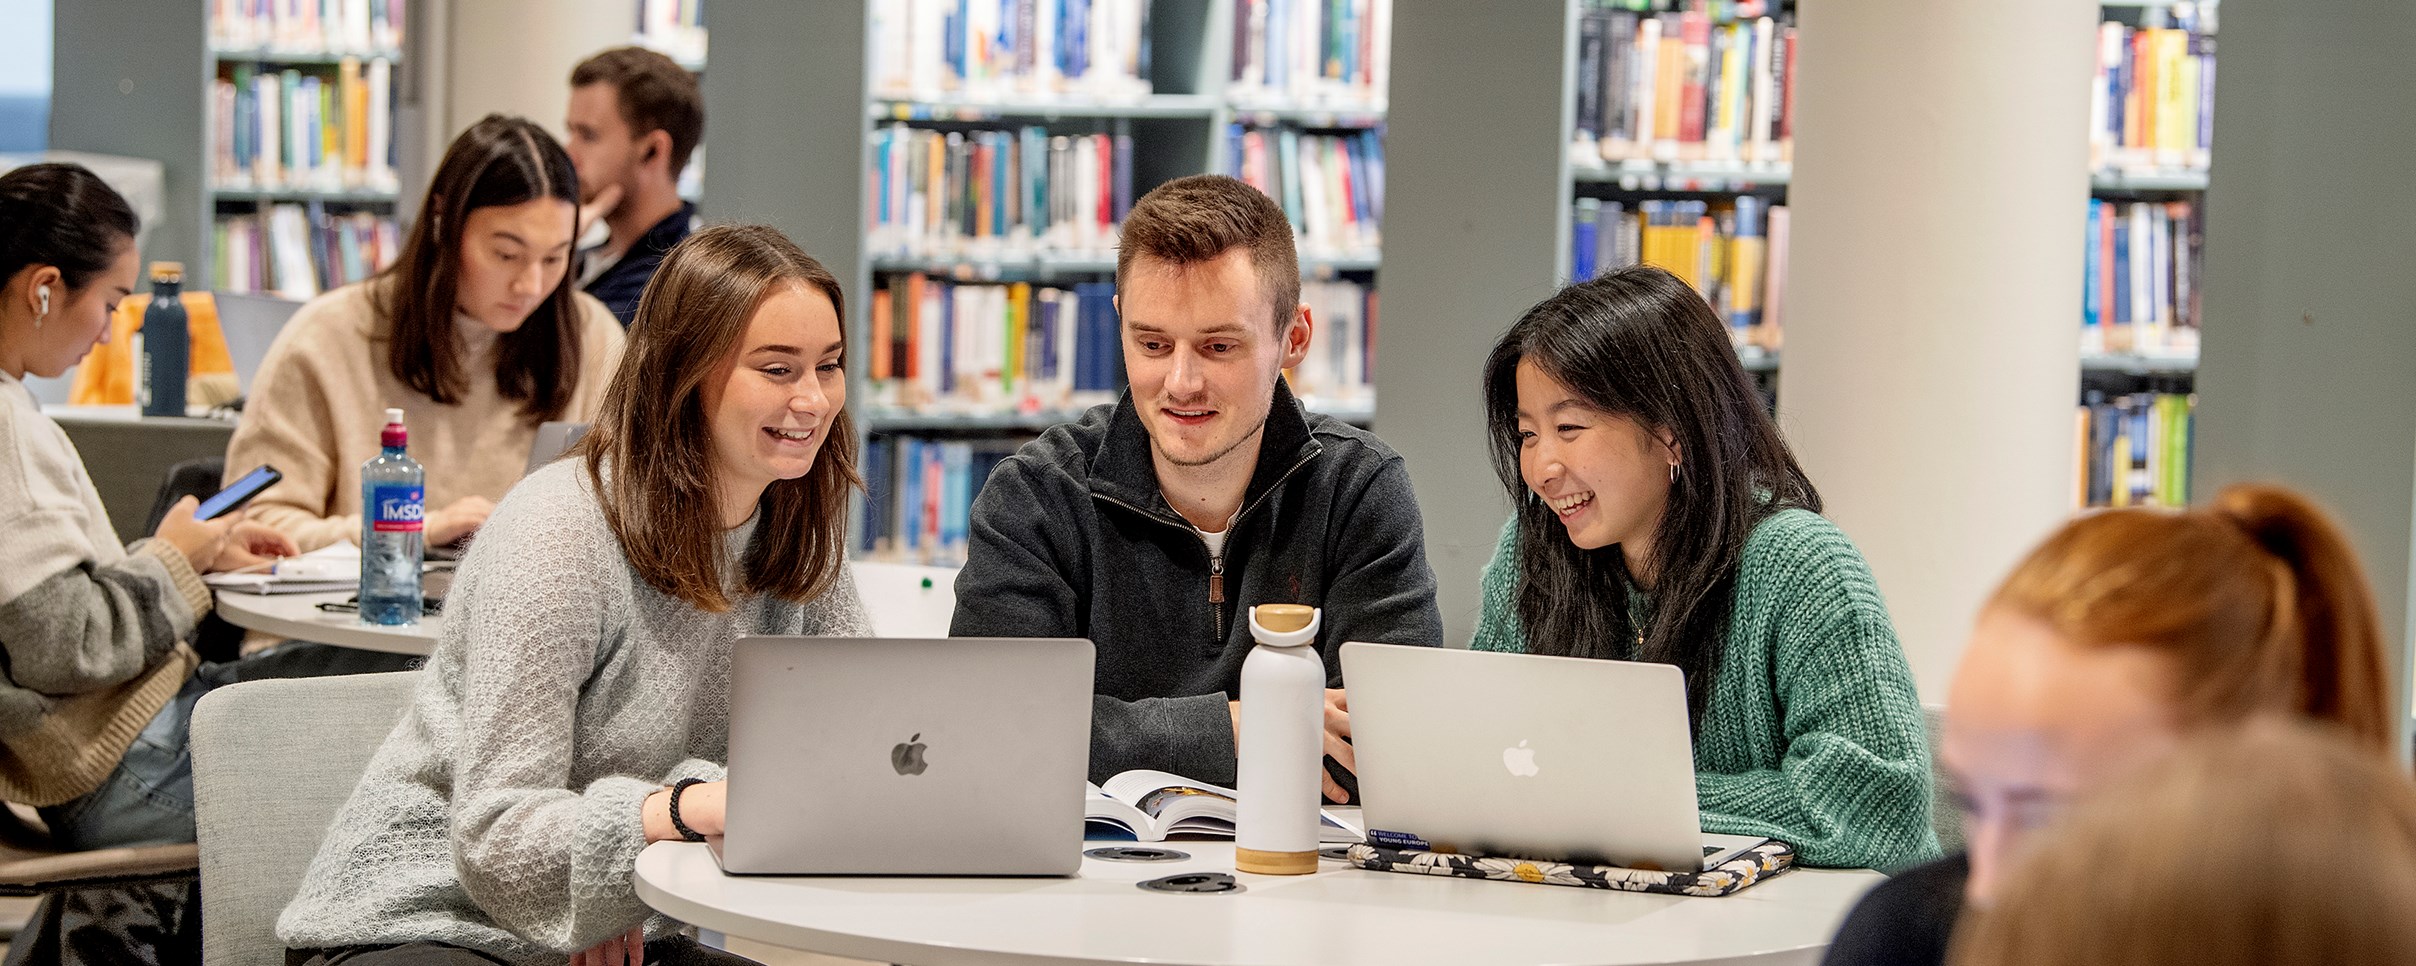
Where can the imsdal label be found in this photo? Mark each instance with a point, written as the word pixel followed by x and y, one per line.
pixel 395 509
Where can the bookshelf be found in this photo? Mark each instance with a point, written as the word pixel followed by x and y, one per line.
pixel 1153 90
pixel 1683 123
pixel 676 29
pixel 302 178
pixel 151 78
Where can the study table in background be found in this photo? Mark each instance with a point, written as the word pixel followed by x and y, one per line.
pixel 299 617
pixel 1340 916
pixel 901 600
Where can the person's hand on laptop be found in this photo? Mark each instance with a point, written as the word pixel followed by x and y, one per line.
pixel 701 808
pixel 1338 743
pixel 458 519
pixel 1337 740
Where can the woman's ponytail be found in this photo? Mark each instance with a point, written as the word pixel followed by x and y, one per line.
pixel 2256 598
pixel 2324 619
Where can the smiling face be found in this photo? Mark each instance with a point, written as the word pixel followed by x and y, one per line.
pixel 773 408
pixel 78 318
pixel 1202 356
pixel 512 259
pixel 1606 477
pixel 2034 720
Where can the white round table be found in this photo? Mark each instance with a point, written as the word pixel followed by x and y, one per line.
pixel 1341 915
pixel 298 616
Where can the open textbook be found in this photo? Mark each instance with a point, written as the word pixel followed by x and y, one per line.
pixel 1151 805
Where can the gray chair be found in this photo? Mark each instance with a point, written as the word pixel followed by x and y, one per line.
pixel 1944 813
pixel 31 864
pixel 272 762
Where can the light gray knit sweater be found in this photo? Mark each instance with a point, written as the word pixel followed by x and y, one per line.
pixel 502 814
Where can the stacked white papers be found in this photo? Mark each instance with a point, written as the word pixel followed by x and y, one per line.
pixel 332 567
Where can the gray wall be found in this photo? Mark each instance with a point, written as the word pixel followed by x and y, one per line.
pixel 2309 371
pixel 1476 204
pixel 788 130
pixel 134 81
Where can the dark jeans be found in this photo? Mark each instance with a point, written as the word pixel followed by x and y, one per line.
pixel 675 951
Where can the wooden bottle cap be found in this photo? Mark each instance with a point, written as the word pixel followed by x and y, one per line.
pixel 1283 618
pixel 1274 863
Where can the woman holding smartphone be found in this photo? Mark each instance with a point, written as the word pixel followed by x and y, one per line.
pixel 98 680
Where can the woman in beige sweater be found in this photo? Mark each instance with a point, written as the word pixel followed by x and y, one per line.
pixel 475 333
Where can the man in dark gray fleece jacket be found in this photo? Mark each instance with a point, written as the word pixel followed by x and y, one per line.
pixel 1150 525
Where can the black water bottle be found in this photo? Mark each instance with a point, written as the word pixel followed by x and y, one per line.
pixel 167 344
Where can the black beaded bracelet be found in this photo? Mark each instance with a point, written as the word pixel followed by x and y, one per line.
pixel 686 833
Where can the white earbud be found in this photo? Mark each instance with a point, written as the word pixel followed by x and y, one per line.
pixel 43 293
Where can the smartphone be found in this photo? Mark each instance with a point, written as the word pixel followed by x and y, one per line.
pixel 238 493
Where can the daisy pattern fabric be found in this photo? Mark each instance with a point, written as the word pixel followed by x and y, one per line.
pixel 1751 866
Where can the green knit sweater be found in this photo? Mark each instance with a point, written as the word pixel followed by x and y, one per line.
pixel 1814 733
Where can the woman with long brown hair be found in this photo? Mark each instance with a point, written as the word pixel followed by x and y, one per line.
pixel 2274 844
pixel 577 707
pixel 2111 642
pixel 477 333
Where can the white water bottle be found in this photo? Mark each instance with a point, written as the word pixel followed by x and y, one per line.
pixel 1282 751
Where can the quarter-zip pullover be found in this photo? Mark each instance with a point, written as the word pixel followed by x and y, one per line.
pixel 1072 537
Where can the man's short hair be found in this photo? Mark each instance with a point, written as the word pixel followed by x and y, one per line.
pixel 655 94
pixel 1195 219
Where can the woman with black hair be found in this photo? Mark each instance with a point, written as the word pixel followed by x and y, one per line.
pixel 96 680
pixel 1660 517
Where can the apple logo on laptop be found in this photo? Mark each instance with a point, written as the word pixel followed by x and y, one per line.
pixel 1520 760
pixel 907 757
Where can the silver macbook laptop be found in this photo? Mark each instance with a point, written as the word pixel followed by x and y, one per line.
pixel 553 439
pixel 1560 758
pixel 898 756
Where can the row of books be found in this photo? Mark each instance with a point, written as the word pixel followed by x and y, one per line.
pixel 1330 185
pixel 307 26
pixel 1312 51
pixel 1008 49
pixel 1340 369
pixel 309 130
pixel 986 348
pixel 296 251
pixel 1680 86
pixel 2152 102
pixel 2134 450
pixel 674 27
pixel 1734 253
pixel 997 192
pixel 918 496
pixel 2140 282
pixel 940 346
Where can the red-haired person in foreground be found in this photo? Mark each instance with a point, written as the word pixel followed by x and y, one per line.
pixel 2277 844
pixel 2111 642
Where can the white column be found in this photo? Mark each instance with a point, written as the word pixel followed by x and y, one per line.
pixel 516 57
pixel 1931 366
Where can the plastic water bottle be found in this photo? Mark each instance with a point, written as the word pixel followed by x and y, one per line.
pixel 392 515
pixel 167 345
pixel 1282 751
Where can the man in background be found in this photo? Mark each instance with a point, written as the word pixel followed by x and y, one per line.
pixel 635 117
